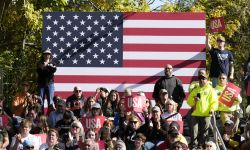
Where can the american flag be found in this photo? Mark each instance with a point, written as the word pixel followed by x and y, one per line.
pixel 120 50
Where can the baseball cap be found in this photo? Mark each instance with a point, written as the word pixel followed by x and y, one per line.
pixel 61 103
pixel 174 125
pixel 221 38
pixel 173 132
pixel 229 122
pixel 156 108
pixel 47 51
pixel 96 105
pixel 28 143
pixel 163 91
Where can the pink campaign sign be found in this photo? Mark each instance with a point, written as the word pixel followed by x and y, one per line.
pixel 41 138
pixel 230 92
pixel 93 122
pixel 135 103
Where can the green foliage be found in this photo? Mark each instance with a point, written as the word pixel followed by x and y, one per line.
pixel 236 15
pixel 21 32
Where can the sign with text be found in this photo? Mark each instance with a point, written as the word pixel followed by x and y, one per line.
pixel 217 25
pixel 93 122
pixel 248 88
pixel 41 138
pixel 3 120
pixel 135 103
pixel 229 94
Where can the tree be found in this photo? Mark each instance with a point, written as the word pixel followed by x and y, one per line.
pixel 236 14
pixel 21 32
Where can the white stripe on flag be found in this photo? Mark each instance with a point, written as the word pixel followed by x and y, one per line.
pixel 164 24
pixel 164 39
pixel 164 55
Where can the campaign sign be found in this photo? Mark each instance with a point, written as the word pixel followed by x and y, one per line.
pixel 248 89
pixel 93 122
pixel 41 138
pixel 101 145
pixel 3 120
pixel 230 92
pixel 135 103
pixel 217 25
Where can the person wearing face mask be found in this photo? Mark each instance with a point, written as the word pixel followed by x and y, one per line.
pixel 172 84
pixel 222 60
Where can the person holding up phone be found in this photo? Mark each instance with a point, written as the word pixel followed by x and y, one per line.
pixel 203 101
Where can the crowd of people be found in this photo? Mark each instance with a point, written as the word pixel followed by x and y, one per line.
pixel 158 125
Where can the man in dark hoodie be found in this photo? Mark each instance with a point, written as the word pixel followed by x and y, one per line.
pixel 172 84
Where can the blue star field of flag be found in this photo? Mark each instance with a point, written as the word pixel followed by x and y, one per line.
pixel 84 39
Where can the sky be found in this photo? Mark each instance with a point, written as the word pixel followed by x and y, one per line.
pixel 156 4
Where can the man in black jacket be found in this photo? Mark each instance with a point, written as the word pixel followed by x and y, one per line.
pixel 172 84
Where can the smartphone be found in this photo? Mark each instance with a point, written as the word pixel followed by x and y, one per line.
pixel 198 95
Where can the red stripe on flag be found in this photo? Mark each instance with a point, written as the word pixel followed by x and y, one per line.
pixel 116 79
pixel 163 16
pixel 162 63
pixel 165 47
pixel 165 31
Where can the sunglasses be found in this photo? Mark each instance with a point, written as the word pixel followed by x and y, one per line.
pixel 220 41
pixel 168 68
pixel 29 147
pixel 78 91
pixel 133 122
pixel 202 78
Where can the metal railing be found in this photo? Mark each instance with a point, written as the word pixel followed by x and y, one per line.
pixel 217 136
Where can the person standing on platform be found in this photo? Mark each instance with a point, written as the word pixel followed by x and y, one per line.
pixel 46 69
pixel 222 60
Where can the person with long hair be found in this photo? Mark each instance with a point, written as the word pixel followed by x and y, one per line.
pixel 171 113
pixel 46 69
pixel 93 135
pixel 41 125
pixel 52 141
pixel 88 105
pixel 110 106
pixel 75 137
